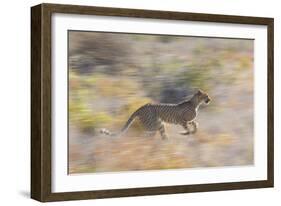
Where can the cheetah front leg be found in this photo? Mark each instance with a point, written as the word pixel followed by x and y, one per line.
pixel 195 127
pixel 187 130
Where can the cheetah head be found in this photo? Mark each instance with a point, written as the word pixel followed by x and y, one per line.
pixel 203 97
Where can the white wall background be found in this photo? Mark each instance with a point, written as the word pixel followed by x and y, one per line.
pixel 15 102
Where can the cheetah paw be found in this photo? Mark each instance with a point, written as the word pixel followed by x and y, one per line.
pixel 184 133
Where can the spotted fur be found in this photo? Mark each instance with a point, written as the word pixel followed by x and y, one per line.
pixel 152 116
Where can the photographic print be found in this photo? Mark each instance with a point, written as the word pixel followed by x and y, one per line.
pixel 156 102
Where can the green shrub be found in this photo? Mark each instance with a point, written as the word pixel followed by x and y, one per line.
pixel 85 118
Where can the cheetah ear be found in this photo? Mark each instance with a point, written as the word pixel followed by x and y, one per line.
pixel 199 91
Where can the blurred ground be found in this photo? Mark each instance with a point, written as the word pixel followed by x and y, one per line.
pixel 111 75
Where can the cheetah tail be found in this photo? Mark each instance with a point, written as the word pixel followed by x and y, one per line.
pixel 124 129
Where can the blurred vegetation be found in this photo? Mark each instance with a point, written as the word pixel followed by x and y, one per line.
pixel 112 75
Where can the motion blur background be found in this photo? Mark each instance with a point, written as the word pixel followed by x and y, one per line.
pixel 113 74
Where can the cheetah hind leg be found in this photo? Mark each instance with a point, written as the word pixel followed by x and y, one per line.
pixel 163 132
pixel 187 131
